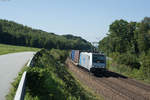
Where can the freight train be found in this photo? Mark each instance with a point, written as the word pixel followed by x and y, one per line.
pixel 93 62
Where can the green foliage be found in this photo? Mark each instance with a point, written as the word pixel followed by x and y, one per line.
pixel 120 39
pixel 128 43
pixel 59 55
pixel 138 74
pixel 49 79
pixel 17 34
pixel 4 49
pixel 129 60
pixel 145 61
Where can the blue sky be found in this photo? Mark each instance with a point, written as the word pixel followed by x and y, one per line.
pixel 89 19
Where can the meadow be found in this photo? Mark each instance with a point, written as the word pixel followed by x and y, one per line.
pixel 5 49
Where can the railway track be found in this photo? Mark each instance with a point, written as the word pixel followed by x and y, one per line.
pixel 144 86
pixel 128 94
pixel 111 85
pixel 142 90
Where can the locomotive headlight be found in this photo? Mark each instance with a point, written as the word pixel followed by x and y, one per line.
pixel 94 66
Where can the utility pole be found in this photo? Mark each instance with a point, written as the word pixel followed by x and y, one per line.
pixel 95 44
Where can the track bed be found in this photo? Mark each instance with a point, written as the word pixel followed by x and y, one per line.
pixel 110 85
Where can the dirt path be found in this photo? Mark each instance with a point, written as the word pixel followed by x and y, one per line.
pixel 110 85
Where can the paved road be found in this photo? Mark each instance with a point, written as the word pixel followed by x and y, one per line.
pixel 10 65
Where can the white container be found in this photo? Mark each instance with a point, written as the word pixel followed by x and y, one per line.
pixel 85 60
pixel 92 61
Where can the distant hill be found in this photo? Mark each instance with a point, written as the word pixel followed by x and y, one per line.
pixel 18 34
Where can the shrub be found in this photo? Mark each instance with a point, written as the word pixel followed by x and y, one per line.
pixel 52 81
pixel 129 60
pixel 145 61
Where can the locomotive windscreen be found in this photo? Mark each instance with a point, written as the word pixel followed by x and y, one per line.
pixel 97 58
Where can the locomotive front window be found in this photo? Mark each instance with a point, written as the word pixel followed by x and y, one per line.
pixel 98 58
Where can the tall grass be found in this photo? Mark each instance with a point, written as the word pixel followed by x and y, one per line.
pixel 128 71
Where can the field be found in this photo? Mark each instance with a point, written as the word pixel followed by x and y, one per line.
pixel 5 49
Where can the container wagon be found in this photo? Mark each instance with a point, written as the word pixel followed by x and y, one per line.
pixel 75 55
pixel 94 62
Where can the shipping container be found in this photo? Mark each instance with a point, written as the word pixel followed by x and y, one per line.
pixel 76 56
pixel 72 55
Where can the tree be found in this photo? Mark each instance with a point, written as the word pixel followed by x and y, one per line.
pixel 17 34
pixel 128 39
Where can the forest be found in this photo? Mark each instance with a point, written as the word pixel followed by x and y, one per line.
pixel 128 43
pixel 17 34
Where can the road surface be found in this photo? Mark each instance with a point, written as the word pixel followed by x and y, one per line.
pixel 10 65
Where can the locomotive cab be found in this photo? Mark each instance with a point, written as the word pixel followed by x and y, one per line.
pixel 98 62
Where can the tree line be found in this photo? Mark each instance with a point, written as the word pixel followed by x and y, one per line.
pixel 129 43
pixel 18 34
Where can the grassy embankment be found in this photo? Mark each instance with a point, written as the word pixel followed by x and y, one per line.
pixel 5 49
pixel 49 79
pixel 125 70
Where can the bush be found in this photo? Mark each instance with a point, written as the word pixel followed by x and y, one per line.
pixel 49 79
pixel 145 61
pixel 129 60
pixel 126 64
pixel 59 55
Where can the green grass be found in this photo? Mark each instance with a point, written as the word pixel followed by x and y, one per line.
pixel 50 79
pixel 5 49
pixel 127 71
